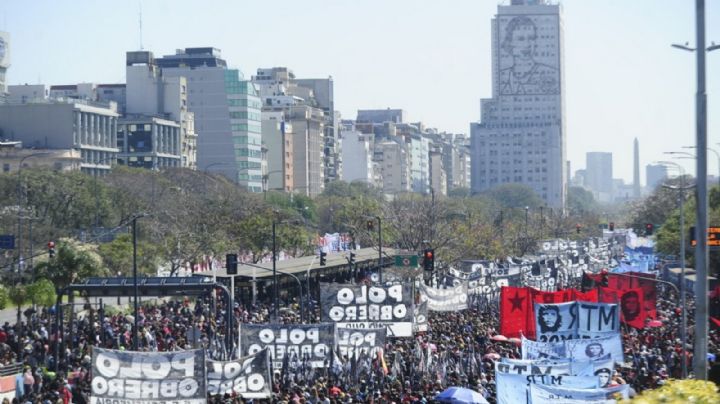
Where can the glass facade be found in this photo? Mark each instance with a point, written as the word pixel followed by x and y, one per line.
pixel 245 122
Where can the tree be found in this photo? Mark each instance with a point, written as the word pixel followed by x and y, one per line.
pixel 18 296
pixel 514 196
pixel 42 292
pixel 73 261
pixel 580 200
pixel 4 297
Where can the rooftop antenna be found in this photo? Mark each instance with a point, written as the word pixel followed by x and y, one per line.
pixel 140 24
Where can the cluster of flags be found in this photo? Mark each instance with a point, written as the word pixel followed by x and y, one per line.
pixel 578 343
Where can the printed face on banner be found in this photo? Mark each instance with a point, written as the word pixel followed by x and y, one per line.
pixel 138 377
pixel 312 342
pixel 362 306
pixel 556 322
pixel 248 377
pixel 593 349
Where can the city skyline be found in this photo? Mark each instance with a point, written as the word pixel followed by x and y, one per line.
pixel 437 75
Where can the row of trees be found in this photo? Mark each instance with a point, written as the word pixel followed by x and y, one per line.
pixel 191 214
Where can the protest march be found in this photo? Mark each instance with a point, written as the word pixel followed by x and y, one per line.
pixel 567 324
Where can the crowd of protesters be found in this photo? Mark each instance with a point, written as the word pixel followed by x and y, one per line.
pixel 458 349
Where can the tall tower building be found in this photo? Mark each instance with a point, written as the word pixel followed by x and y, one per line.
pixel 521 134
pixel 4 63
pixel 599 174
pixel 636 169
pixel 227 114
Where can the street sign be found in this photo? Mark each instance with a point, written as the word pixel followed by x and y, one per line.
pixel 7 241
pixel 406 260
pixel 713 237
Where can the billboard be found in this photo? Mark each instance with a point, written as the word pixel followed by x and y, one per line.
pixel 528 50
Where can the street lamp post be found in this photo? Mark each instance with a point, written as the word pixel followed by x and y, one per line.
pixel 380 255
pixel 135 280
pixel 20 202
pixel 300 289
pixel 701 250
pixel 715 152
pixel 274 271
pixel 681 197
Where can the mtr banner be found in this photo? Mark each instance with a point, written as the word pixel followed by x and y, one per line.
pixel 148 377
pixel 248 377
pixel 365 307
pixel 310 343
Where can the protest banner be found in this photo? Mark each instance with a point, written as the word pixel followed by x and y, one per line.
pixel 544 394
pixel 303 342
pixel 420 317
pixel 452 299
pixel 556 322
pixel 363 306
pixel 513 388
pixel 596 318
pixel 352 342
pixel 604 371
pixel 538 367
pixel 247 377
pixel 148 377
pixel 542 350
pixel 632 308
pixel 603 348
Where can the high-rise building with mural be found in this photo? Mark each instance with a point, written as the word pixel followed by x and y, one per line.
pixel 521 135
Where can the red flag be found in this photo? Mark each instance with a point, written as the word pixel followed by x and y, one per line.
pixel 632 308
pixel 516 312
pixel 715 321
pixel 644 281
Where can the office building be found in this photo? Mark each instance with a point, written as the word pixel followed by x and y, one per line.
pixel 84 126
pixel 521 135
pixel 314 149
pixel 226 112
pixel 357 157
pixel 277 134
pixel 599 175
pixel 636 169
pixel 655 174
pixel 4 63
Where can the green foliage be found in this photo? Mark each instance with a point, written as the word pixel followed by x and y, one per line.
pixel 514 196
pixel 42 292
pixel 4 297
pixel 680 391
pixel 18 295
pixel 580 201
pixel 73 261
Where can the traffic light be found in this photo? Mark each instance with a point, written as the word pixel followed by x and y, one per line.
pixel 51 249
pixel 323 259
pixel 649 227
pixel 429 259
pixel 370 225
pixel 611 227
pixel 351 259
pixel 231 264
pixel 578 228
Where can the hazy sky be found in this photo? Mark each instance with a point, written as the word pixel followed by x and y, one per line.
pixel 431 58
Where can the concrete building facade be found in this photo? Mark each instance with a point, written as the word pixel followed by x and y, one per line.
pixel 278 139
pixel 4 63
pixel 227 114
pixel 149 142
pixel 357 155
pixel 88 127
pixel 521 137
pixel 599 175
pixel 655 174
